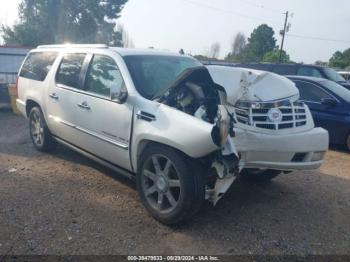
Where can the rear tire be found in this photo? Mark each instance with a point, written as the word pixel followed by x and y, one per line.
pixel 169 187
pixel 39 132
pixel 259 176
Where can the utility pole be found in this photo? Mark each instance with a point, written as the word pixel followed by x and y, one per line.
pixel 283 33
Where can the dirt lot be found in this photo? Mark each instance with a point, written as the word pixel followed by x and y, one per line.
pixel 62 203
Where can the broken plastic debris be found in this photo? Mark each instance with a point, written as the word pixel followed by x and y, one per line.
pixel 12 170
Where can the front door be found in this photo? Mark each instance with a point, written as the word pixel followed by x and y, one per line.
pixel 104 124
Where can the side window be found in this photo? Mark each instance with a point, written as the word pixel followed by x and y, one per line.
pixel 69 71
pixel 284 70
pixel 103 75
pixel 37 65
pixel 309 71
pixel 310 92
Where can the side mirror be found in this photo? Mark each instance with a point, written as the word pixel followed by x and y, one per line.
pixel 329 102
pixel 119 95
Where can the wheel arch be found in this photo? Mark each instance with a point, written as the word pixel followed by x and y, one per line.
pixel 144 143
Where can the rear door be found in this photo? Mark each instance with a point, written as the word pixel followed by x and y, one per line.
pixel 61 96
pixel 104 125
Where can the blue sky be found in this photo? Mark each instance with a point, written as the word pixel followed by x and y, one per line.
pixel 195 24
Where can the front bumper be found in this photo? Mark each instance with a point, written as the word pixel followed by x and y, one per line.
pixel 281 152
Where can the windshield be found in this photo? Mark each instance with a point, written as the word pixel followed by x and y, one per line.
pixel 337 89
pixel 333 75
pixel 152 73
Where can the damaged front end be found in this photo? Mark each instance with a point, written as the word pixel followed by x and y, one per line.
pixel 195 93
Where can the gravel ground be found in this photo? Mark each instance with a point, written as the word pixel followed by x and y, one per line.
pixel 63 203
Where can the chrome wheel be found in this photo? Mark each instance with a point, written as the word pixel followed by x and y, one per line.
pixel 37 129
pixel 160 183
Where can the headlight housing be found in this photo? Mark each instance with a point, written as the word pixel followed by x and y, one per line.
pixel 317 156
pixel 221 129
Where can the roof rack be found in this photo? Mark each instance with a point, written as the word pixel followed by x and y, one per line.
pixel 74 46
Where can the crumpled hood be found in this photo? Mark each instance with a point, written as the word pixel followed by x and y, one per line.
pixel 252 85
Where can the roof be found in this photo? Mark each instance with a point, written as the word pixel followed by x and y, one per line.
pixel 120 50
pixel 145 51
pixel 282 64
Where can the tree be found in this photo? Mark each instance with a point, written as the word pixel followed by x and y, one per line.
pixel 239 44
pixel 261 41
pixel 238 52
pixel 58 21
pixel 274 57
pixel 214 50
pixel 181 52
pixel 340 59
pixel 321 63
pixel 126 39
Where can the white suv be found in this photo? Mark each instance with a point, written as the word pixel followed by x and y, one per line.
pixel 150 115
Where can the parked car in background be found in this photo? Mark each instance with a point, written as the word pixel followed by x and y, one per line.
pixel 300 70
pixel 345 75
pixel 329 103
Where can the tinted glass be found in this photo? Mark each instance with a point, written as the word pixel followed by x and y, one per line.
pixel 337 89
pixel 333 75
pixel 69 70
pixel 102 75
pixel 309 71
pixel 151 73
pixel 284 70
pixel 37 65
pixel 310 92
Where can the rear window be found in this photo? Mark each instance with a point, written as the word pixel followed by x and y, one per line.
pixel 37 65
pixel 69 71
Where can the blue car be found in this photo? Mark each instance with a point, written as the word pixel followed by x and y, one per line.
pixel 329 103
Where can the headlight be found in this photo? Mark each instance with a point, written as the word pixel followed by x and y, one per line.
pixel 221 129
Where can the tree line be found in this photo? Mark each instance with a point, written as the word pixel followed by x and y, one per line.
pixel 86 21
pixel 60 21
pixel 261 47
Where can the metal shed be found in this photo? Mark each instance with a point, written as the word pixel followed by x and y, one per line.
pixel 11 58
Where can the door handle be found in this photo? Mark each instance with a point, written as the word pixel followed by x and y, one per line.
pixel 84 105
pixel 53 96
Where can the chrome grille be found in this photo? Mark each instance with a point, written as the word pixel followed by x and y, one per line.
pixel 293 115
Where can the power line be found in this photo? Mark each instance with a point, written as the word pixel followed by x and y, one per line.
pixel 319 38
pixel 261 6
pixel 228 11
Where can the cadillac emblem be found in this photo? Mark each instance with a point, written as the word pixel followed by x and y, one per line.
pixel 274 115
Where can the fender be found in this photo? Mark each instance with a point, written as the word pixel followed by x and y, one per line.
pixel 173 128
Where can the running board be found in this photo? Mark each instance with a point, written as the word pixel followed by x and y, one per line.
pixel 115 168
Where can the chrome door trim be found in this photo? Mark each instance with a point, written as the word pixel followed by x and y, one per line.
pixel 88 132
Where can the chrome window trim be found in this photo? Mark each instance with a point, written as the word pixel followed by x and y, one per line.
pixel 82 77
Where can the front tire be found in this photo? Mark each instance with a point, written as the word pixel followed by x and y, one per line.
pixel 39 132
pixel 259 176
pixel 169 187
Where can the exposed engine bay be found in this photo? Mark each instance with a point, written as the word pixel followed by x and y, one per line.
pixel 195 93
